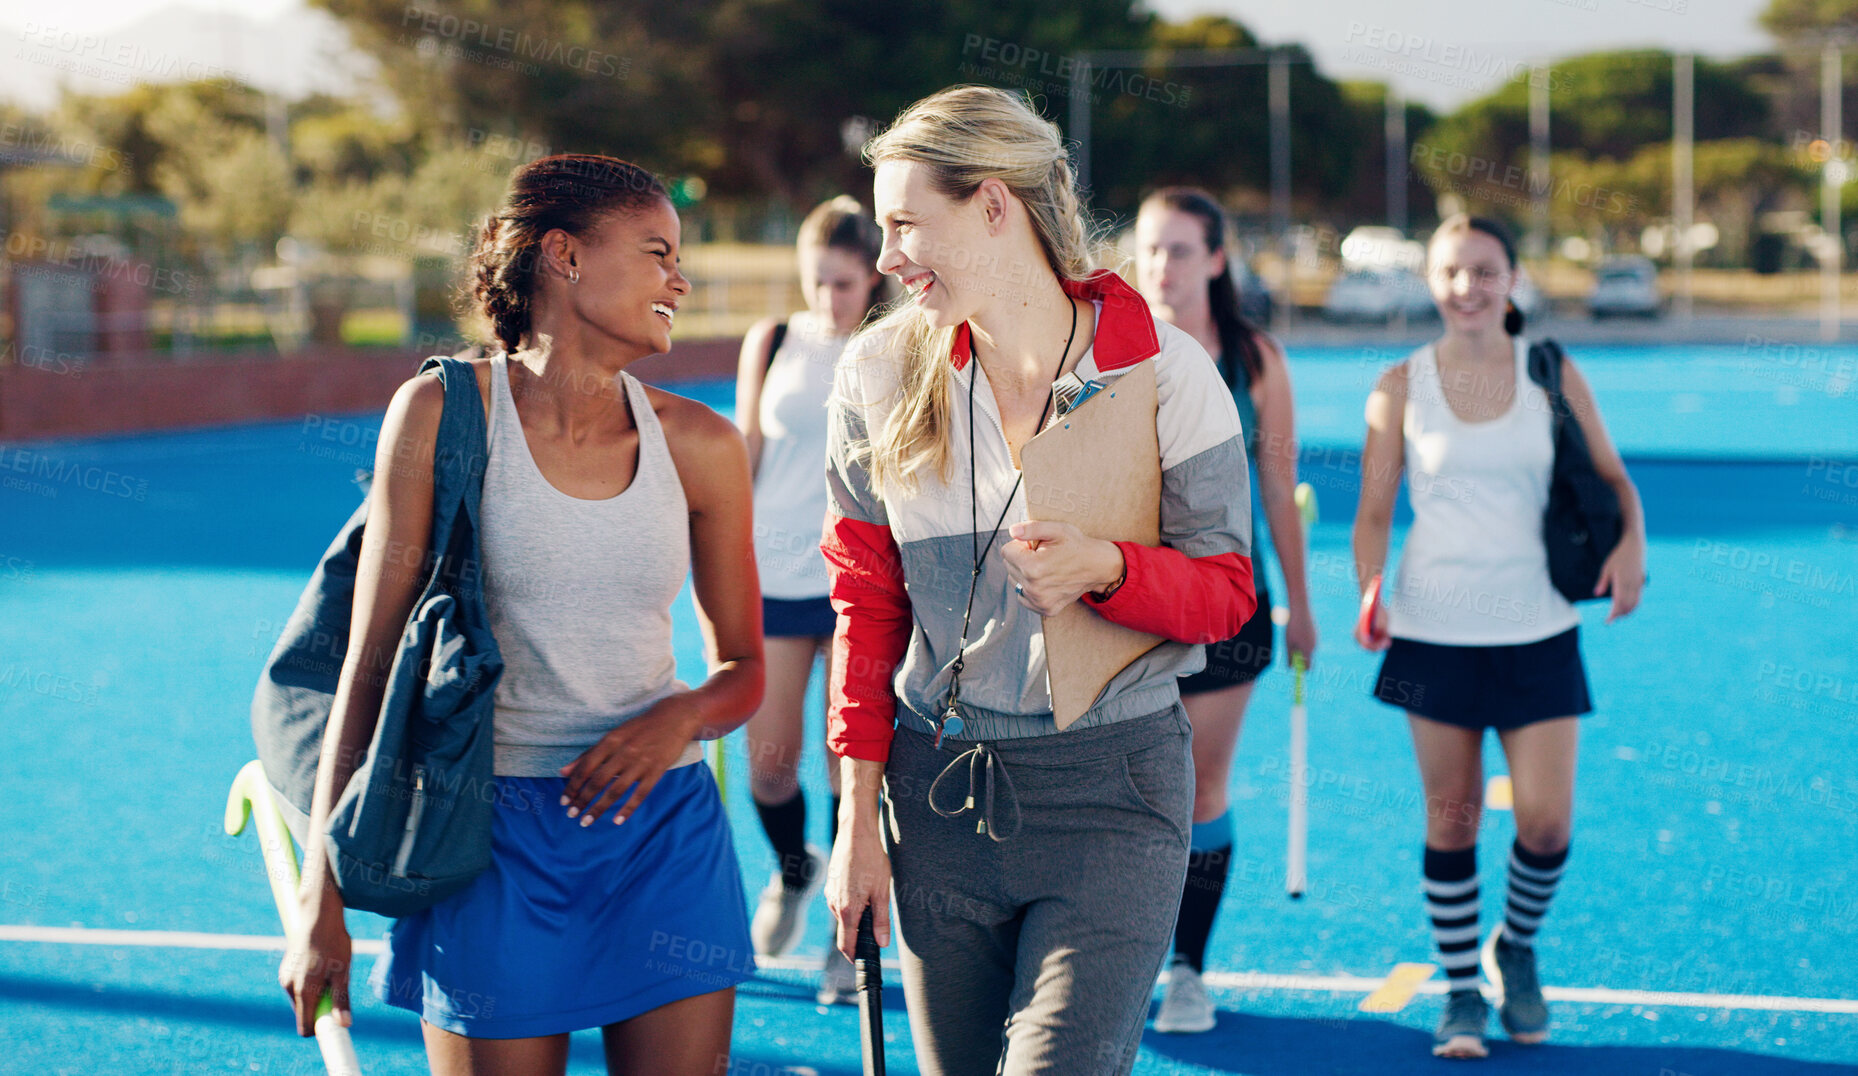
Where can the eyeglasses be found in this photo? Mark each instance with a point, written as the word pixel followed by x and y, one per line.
pixel 1481 276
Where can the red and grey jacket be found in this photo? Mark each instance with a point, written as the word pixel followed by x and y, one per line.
pixel 900 564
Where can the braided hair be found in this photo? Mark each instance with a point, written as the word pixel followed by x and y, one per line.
pixel 574 192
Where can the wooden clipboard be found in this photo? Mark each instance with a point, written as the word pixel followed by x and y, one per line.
pixel 1097 468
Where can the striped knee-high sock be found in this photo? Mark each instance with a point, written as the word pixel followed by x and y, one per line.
pixel 1451 901
pixel 1532 886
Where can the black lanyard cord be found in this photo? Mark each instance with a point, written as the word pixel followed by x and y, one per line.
pixel 951 718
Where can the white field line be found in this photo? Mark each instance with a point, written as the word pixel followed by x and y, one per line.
pixel 1358 984
pixel 165 939
pixel 1228 980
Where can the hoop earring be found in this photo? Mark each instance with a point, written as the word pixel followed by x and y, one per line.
pixel 574 276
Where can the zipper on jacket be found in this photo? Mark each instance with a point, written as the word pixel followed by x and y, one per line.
pixel 412 820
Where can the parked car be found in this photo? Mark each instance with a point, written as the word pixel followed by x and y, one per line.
pixel 1378 295
pixel 1625 286
pixel 1380 247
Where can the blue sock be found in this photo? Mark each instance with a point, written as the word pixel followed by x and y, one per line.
pixel 1214 835
pixel 1207 866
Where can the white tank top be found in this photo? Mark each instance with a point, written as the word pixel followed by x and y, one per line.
pixel 579 592
pixel 1474 571
pixel 790 479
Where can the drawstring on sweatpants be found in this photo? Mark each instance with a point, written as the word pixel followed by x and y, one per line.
pixel 981 760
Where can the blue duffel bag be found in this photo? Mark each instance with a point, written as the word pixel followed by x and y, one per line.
pixel 412 827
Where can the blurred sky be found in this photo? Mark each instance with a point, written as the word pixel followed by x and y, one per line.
pixel 88 15
pixel 1440 52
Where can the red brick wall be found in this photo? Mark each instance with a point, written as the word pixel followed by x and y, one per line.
pixel 164 392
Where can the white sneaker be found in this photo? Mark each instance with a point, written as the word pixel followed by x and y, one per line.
pixel 838 981
pixel 1185 1008
pixel 780 914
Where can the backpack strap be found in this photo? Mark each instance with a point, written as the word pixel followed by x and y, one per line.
pixel 774 345
pixel 462 449
pixel 1545 361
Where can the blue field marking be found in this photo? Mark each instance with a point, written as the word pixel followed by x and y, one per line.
pixel 143 582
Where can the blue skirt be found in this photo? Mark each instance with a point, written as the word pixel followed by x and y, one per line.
pixel 574 927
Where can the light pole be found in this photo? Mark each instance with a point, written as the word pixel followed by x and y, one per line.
pixel 1278 59
pixel 1539 179
pixel 1683 191
pixel 1395 129
pixel 1833 179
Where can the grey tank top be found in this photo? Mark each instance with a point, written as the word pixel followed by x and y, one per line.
pixel 579 592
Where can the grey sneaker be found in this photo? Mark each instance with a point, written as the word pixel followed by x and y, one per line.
pixel 780 914
pixel 1461 1029
pixel 1511 969
pixel 838 981
pixel 1185 1008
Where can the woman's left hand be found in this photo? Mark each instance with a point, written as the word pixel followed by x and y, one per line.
pixel 1300 632
pixel 1623 574
pixel 1053 564
pixel 636 753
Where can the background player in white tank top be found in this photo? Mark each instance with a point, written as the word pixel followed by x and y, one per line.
pixel 1479 637
pixel 782 386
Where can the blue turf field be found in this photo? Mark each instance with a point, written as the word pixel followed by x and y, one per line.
pixel 143 580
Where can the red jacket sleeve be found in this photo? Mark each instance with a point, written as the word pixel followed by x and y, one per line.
pixel 866 585
pixel 1187 599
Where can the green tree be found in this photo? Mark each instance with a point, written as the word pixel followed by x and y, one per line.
pixel 1794 19
pixel 1606 104
pixel 152 124
pixel 1610 116
pixel 336 140
pixel 1736 179
pixel 797 77
pixel 1209 126
pixel 565 75
pixel 767 99
pixel 204 146
pixel 754 95
pixel 1365 201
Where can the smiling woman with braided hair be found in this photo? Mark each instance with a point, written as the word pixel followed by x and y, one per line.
pixel 600 496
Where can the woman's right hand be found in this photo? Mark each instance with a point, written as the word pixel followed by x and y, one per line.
pixel 859 878
pixel 316 962
pixel 1371 625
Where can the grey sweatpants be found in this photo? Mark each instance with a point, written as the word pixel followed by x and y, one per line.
pixel 1034 947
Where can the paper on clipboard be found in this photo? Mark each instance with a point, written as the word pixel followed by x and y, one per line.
pixel 1098 468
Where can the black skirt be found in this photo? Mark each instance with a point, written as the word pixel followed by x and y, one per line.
pixel 1240 659
pixel 1486 687
pixel 803 617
